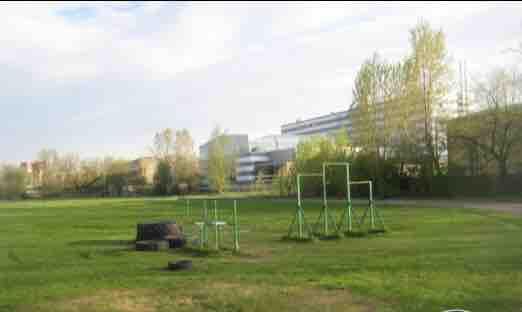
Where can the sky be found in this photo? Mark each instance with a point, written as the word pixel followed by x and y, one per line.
pixel 100 79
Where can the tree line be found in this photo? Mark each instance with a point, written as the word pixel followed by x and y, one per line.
pixel 171 168
pixel 404 121
pixel 405 113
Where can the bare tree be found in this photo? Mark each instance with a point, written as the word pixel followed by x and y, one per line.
pixel 496 130
pixel 163 147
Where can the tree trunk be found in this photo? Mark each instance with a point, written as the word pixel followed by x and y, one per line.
pixel 502 174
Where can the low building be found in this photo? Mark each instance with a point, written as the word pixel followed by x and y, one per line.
pixel 261 157
pixel 145 167
pixel 267 155
pixel 35 171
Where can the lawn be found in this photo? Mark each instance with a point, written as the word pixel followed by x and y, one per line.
pixel 76 255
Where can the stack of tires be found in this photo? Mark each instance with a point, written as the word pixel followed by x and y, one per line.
pixel 159 235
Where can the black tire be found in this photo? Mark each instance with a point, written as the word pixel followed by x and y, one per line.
pixel 177 242
pixel 180 265
pixel 157 230
pixel 148 245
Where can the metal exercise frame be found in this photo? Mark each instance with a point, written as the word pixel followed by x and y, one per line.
pixel 326 225
pixel 371 208
pixel 211 219
pixel 298 225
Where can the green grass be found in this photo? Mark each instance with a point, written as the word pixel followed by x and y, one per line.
pixel 76 255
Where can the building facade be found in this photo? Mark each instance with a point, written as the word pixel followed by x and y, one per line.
pixel 267 155
pixel 145 167
pixel 322 125
pixel 34 171
pixel 261 157
pixel 386 121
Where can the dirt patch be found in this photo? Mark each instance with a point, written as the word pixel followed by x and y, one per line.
pixel 214 296
pixel 106 301
pixel 263 297
pixel 318 299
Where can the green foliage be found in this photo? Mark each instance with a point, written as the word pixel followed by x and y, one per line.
pixel 163 179
pixel 312 153
pixel 391 99
pixel 12 182
pixel 186 175
pixel 283 183
pixel 220 164
pixel 117 177
pixel 433 81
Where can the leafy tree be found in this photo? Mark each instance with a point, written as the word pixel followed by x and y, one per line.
pixel 13 181
pixel 163 178
pixel 117 176
pixel 371 122
pixel 312 153
pixel 186 163
pixel 284 181
pixel 367 97
pixel 220 165
pixel 432 78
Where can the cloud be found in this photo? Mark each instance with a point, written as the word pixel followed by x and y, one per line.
pixel 87 77
pixel 84 42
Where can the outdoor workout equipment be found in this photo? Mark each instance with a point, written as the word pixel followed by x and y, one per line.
pixel 326 225
pixel 212 223
pixel 372 210
pixel 299 229
pixel 346 222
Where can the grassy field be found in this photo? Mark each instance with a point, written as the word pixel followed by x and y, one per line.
pixel 76 255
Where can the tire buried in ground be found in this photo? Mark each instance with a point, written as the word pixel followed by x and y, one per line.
pixel 180 265
pixel 152 245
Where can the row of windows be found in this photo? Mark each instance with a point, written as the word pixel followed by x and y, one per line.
pixel 322 131
pixel 341 120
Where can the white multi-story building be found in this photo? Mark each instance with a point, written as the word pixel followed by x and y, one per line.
pixel 322 125
pixel 266 156
pixel 262 156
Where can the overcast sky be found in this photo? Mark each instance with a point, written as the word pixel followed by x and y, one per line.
pixel 100 79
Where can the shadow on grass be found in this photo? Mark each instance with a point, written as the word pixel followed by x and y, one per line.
pixel 291 239
pixel 212 253
pixel 101 243
pixel 199 252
